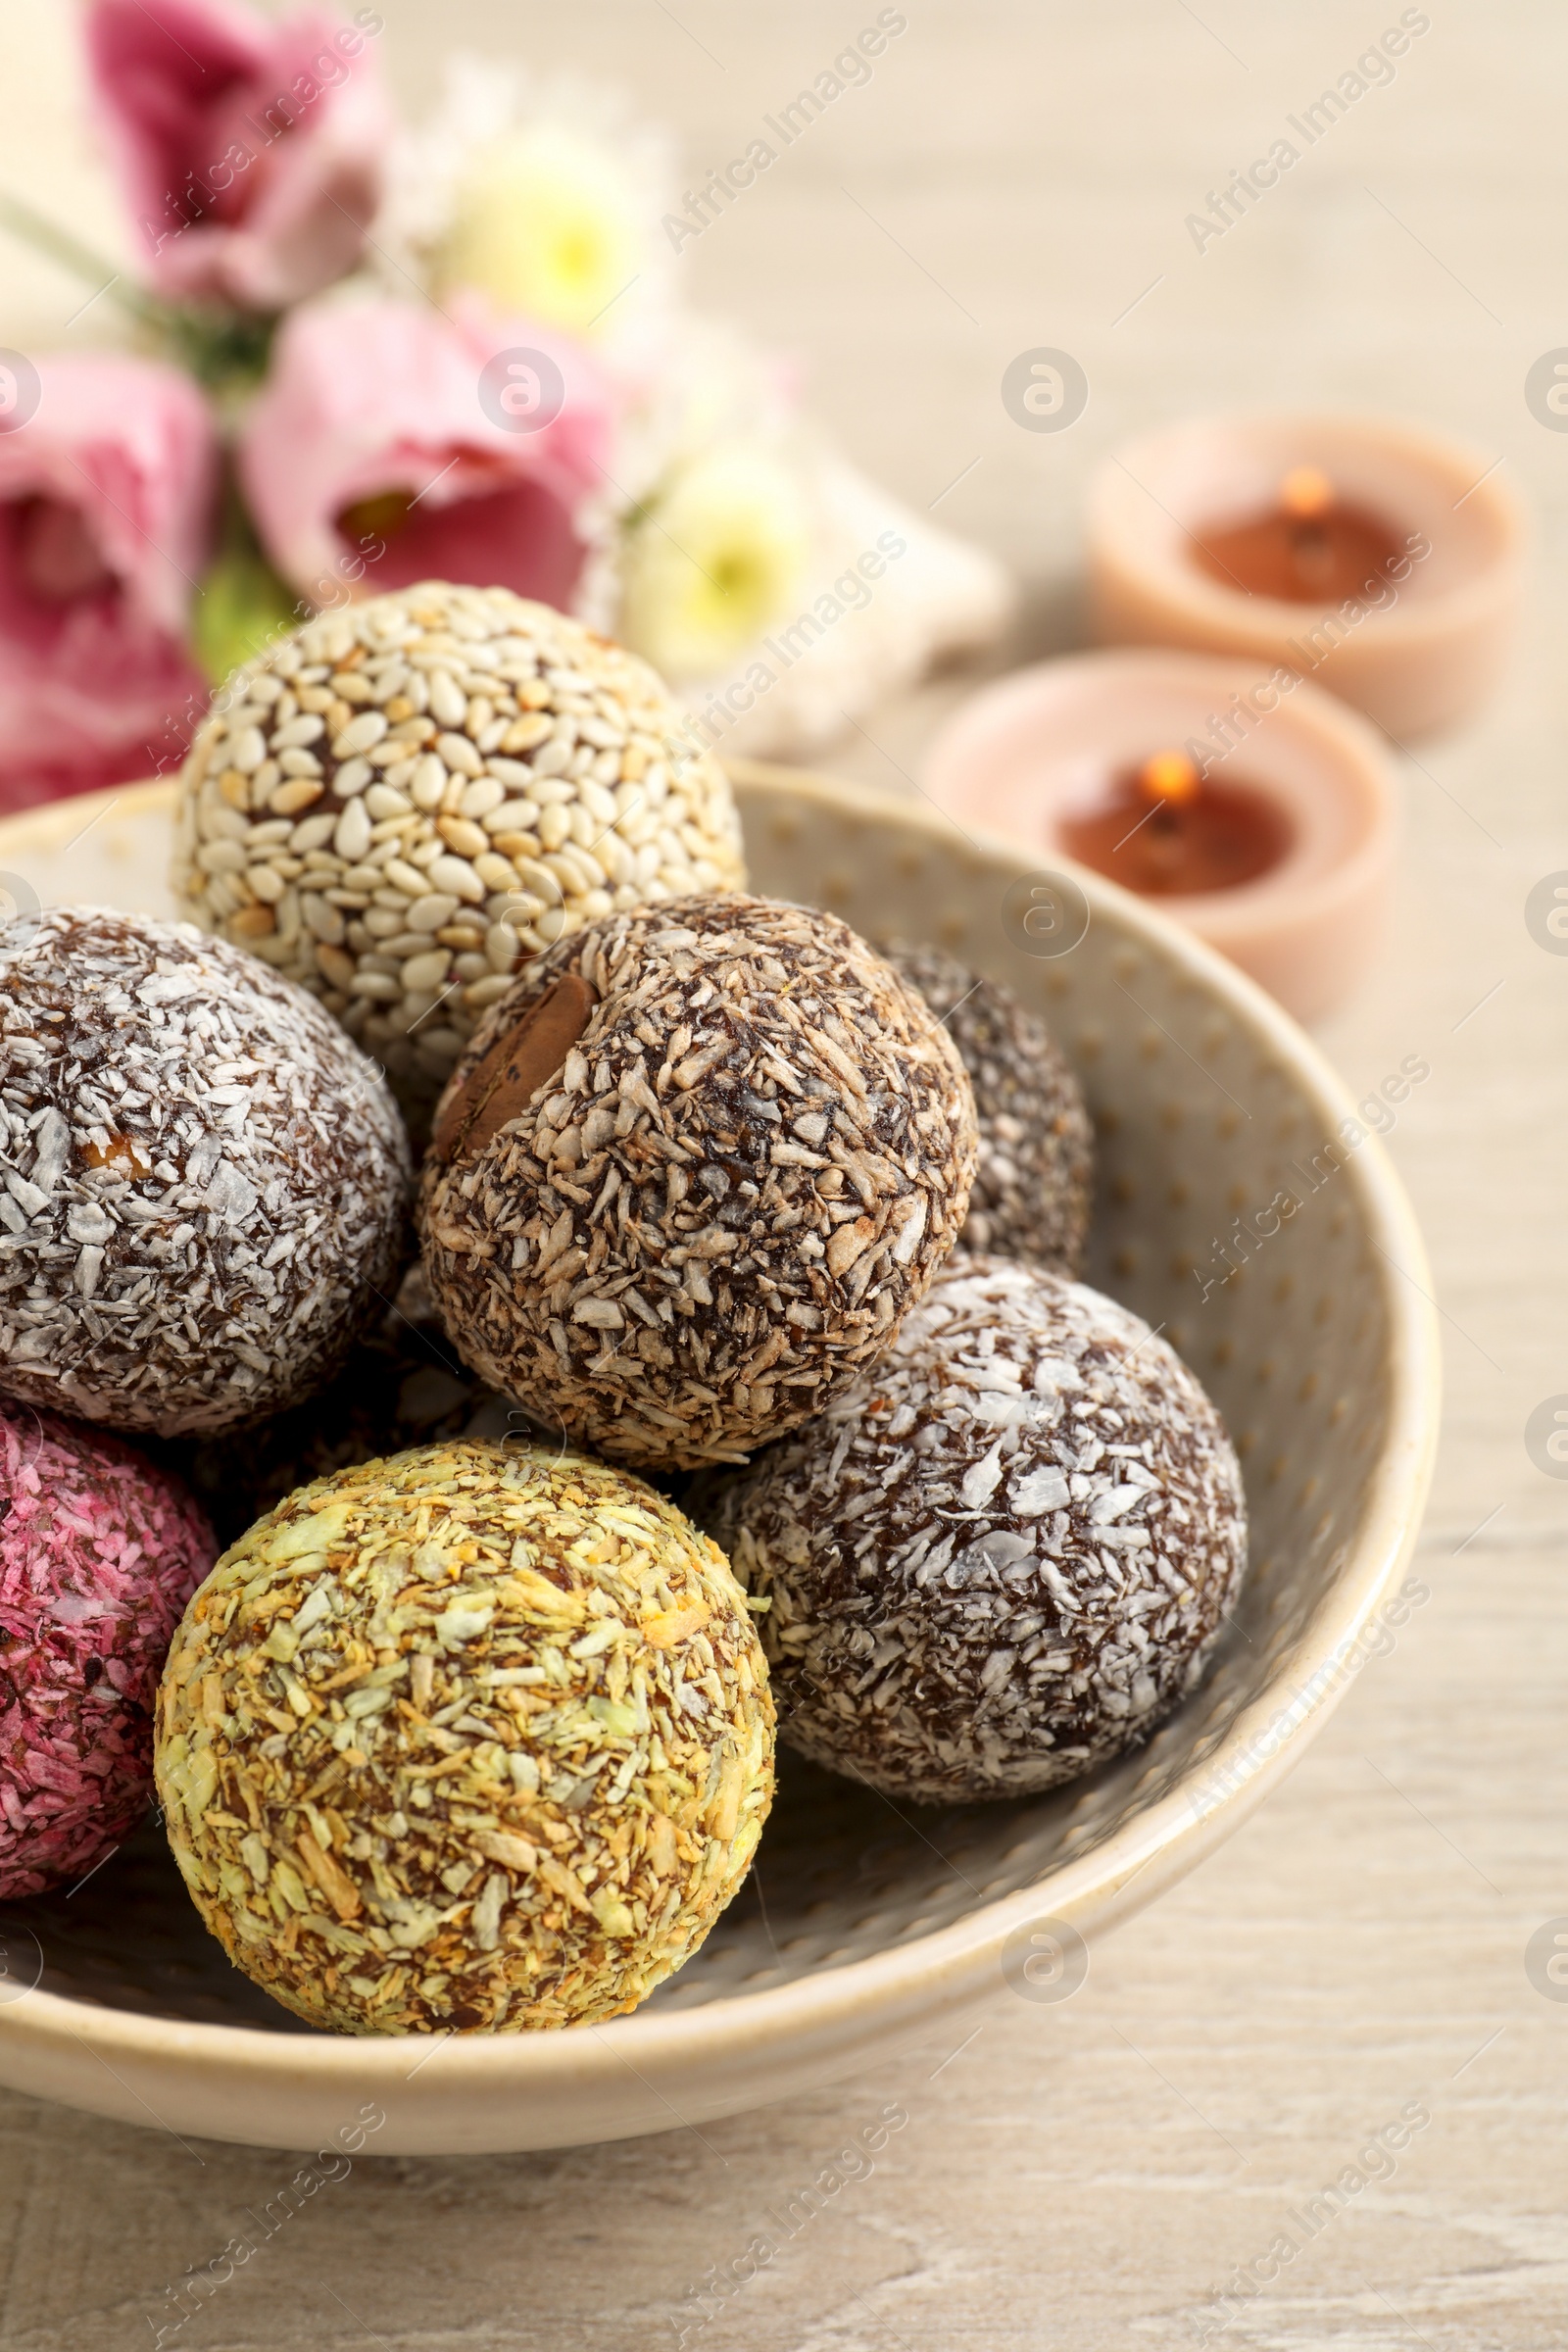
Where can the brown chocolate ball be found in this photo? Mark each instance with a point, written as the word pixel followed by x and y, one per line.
pixel 692 1173
pixel 1001 1556
pixel 1032 1187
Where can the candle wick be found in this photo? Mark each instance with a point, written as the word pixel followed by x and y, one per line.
pixel 1165 829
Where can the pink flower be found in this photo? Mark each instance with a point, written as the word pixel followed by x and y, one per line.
pixel 393 443
pixel 251 153
pixel 106 496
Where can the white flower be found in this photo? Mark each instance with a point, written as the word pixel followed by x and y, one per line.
pixel 546 223
pixel 714 562
pixel 883 597
pixel 545 195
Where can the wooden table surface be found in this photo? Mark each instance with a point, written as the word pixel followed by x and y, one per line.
pixel 1090 2175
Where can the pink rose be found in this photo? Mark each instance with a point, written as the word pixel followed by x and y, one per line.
pixel 394 443
pixel 251 153
pixel 106 499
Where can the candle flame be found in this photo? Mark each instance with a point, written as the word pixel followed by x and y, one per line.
pixel 1305 493
pixel 1171 777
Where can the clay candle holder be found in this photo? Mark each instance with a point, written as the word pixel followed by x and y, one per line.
pixel 1247 804
pixel 1377 558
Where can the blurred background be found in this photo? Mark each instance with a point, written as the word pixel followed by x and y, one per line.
pixel 1010 177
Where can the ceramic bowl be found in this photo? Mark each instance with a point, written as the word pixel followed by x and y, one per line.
pixel 866 1925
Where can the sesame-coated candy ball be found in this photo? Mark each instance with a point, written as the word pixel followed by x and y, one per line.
pixel 692 1173
pixel 402 798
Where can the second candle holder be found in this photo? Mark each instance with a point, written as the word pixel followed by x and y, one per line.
pixel 1378 559
pixel 1252 806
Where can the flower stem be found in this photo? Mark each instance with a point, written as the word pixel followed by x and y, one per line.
pixel 60 246
pixel 244 607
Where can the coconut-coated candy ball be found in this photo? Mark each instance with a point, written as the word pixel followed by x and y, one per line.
pixel 204 1183
pixel 690 1174
pixel 1032 1186
pixel 99 1554
pixel 477 1736
pixel 1005 1554
pixel 397 801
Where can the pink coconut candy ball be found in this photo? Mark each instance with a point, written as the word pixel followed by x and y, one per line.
pixel 99 1554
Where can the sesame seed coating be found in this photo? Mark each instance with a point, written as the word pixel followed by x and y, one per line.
pixel 203 1182
pixel 477 1736
pixel 749 1166
pixel 1005 1554
pixel 402 799
pixel 1033 1184
pixel 99 1554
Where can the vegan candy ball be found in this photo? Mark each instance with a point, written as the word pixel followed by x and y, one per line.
pixel 397 801
pixel 478 1737
pixel 1032 1186
pixel 1005 1555
pixel 204 1183
pixel 99 1554
pixel 692 1173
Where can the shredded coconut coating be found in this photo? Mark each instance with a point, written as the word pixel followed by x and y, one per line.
pixel 749 1167
pixel 478 1737
pixel 99 1554
pixel 402 1385
pixel 1003 1555
pixel 1032 1187
pixel 402 801
pixel 204 1185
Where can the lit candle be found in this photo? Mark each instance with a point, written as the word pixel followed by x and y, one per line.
pixel 1256 809
pixel 1311 548
pixel 1167 831
pixel 1377 558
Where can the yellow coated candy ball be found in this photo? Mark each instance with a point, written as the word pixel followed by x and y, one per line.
pixel 476 1736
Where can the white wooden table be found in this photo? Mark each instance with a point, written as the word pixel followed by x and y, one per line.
pixel 1087 2175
